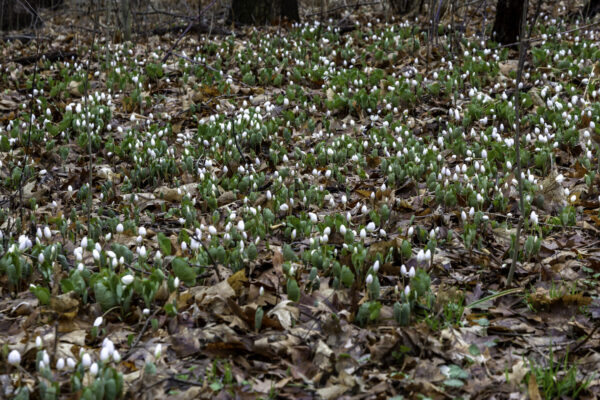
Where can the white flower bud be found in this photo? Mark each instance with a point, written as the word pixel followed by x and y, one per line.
pixel 127 279
pixel 14 358
pixel 86 360
pixel 94 369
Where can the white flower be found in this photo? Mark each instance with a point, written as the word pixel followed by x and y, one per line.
pixel 376 266
pixel 534 218
pixel 313 217
pixel 94 369
pixel 176 282
pixel 420 256
pixel 127 279
pixel 403 270
pixel 261 291
pixel 342 229
pixel 158 351
pixel 284 207
pixel 463 215
pixel 410 231
pixel 104 354
pixel 369 279
pixel 46 358
pixel 60 364
pixel 241 226
pixel 407 290
pixel 142 231
pixel 411 272
pixel 573 198
pixel 560 178
pixel 47 233
pixel 428 255
pixel 120 228
pixel 98 321
pixel 363 233
pixel 371 226
pixel 86 360
pixel 14 358
pixel 71 363
pixel 108 344
pixel 38 342
pixel 116 356
pixel 146 311
pixel 212 230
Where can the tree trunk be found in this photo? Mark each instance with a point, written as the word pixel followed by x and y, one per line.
pixel 15 15
pixel 591 8
pixel 507 22
pixel 126 19
pixel 289 10
pixel 405 7
pixel 260 12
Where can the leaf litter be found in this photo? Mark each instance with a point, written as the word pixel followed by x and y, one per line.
pixel 241 329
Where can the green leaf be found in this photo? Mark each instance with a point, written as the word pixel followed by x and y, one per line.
pixel 456 372
pixel 347 277
pixel 474 350
pixel 110 389
pixel 183 271
pixel 288 253
pixel 150 368
pixel 104 296
pixel 42 294
pixel 293 291
pixel 455 383
pixel 258 318
pixel 165 244
pixel 421 282
pixel 216 386
pixel 23 393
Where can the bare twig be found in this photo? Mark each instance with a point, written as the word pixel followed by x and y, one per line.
pixel 215 265
pixel 522 52
pixel 540 38
pixel 139 336
pixel 170 51
pixel 334 9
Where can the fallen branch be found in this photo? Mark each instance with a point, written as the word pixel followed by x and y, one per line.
pixel 50 56
pixel 139 336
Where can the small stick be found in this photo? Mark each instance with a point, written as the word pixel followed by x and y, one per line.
pixel 139 336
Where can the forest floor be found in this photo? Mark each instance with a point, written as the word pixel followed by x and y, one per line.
pixel 317 211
